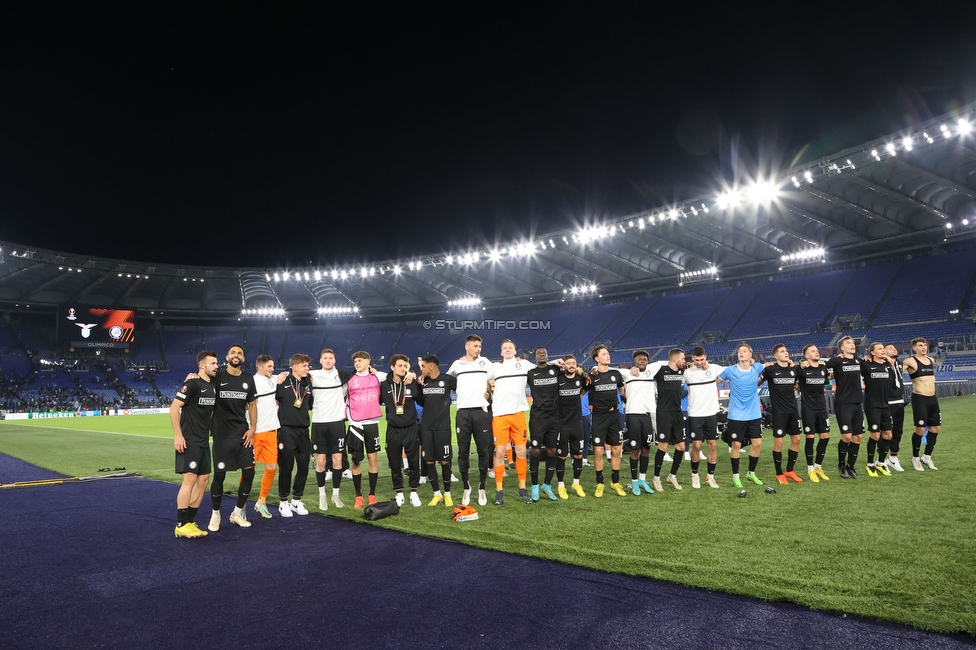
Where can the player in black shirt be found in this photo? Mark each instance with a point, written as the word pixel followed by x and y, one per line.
pixel 434 396
pixel 812 379
pixel 397 395
pixel 847 405
pixel 604 385
pixel 877 385
pixel 294 397
pixel 896 406
pixel 190 415
pixel 670 419
pixel 781 377
pixel 233 446
pixel 573 385
pixel 544 428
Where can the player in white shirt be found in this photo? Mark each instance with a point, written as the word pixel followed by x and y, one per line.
pixel 266 430
pixel 506 383
pixel 473 417
pixel 329 424
pixel 639 413
pixel 703 410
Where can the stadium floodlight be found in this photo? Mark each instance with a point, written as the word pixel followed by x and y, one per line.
pixel 907 143
pixel 472 301
pixel 725 200
pixel 702 275
pixel 673 214
pixel 343 274
pixel 808 175
pixel 764 192
pixel 809 256
pixel 964 127
pixel 890 148
pixel 306 276
pixel 449 259
pixel 396 269
pixel 494 255
pixel 927 137
pixel 318 275
pixel 337 310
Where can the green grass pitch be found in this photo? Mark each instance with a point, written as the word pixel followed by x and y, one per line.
pixel 897 549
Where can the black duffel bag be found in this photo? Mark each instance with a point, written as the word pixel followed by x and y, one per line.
pixel 380 510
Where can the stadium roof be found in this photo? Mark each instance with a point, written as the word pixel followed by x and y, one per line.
pixel 906 191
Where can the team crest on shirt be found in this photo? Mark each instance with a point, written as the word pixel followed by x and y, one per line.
pixel 244 385
pixel 577 382
pixel 481 363
pixel 408 392
pixel 708 373
pixel 441 384
pixel 551 371
pixel 518 365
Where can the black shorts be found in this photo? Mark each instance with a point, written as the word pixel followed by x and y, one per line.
pixel 230 454
pixel 435 445
pixel 879 419
pixel 816 422
pixel 329 437
pixel 785 424
pixel 605 429
pixel 570 439
pixel 925 411
pixel 670 427
pixel 363 440
pixel 640 431
pixel 742 430
pixel 195 459
pixel 543 432
pixel 704 428
pixel 850 418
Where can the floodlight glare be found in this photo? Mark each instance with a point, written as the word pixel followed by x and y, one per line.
pixel 964 127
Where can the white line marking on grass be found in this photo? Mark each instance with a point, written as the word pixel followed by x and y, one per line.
pixel 114 433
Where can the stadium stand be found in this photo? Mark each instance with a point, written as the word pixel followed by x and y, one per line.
pixel 906 298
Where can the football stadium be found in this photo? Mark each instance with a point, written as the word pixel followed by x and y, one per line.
pixel 644 538
pixel 870 243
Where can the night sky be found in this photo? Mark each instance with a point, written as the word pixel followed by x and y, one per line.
pixel 315 133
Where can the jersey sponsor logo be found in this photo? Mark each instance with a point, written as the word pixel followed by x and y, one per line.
pixel 233 394
pixel 818 381
pixel 671 377
pixel 433 390
pixel 783 380
pixel 206 401
pixel 880 375
pixel 852 368
pixel 569 392
pixel 544 381
pixel 605 387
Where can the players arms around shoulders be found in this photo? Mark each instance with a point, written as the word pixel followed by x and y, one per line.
pixel 266 419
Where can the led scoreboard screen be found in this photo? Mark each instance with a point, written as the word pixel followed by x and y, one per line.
pixel 92 328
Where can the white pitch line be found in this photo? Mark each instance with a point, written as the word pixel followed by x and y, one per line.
pixel 114 433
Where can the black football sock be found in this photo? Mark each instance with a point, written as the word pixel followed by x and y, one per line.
pixel 244 490
pixel 373 476
pixel 357 483
pixel 320 478
pixel 791 457
pixel 808 450
pixel 872 449
pixel 217 490
pixel 930 443
pixel 777 462
pixel 561 469
pixel 916 444
pixel 658 463
pixel 821 450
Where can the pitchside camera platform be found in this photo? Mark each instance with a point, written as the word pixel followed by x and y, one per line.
pixel 94 328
